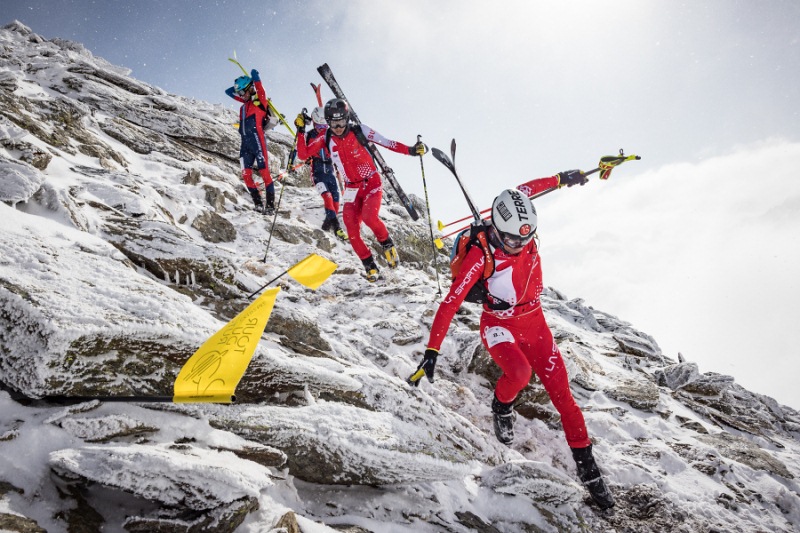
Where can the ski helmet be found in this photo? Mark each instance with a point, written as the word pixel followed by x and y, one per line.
pixel 242 83
pixel 336 109
pixel 318 116
pixel 514 219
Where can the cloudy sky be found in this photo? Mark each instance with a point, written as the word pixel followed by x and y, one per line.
pixel 696 244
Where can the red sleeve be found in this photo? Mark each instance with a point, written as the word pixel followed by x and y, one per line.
pixel 530 188
pixel 377 138
pixel 262 95
pixel 306 150
pixel 471 272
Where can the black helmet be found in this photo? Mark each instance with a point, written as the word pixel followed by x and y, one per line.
pixel 336 109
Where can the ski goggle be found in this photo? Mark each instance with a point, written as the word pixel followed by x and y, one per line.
pixel 338 123
pixel 512 241
pixel 242 92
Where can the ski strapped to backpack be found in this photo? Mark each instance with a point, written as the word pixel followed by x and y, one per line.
pixel 475 235
pixel 270 105
pixel 356 129
pixel 327 75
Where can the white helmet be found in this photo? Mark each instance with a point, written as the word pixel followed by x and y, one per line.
pixel 514 219
pixel 318 115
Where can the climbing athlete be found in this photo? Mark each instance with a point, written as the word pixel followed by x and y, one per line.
pixel 253 116
pixel 513 327
pixel 346 143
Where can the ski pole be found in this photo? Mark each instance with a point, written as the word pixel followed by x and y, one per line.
pixel 606 164
pixel 272 227
pixel 430 222
pixel 293 153
pixel 288 170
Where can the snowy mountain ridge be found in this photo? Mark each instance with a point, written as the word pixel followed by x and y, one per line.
pixel 128 239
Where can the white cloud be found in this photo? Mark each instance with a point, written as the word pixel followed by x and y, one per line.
pixel 704 257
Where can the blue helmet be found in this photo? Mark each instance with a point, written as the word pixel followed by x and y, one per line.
pixel 242 83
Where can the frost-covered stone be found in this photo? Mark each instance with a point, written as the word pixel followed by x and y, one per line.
pixel 18 181
pixel 214 228
pixel 641 394
pixel 106 288
pixel 676 376
pixel 742 450
pixel 535 480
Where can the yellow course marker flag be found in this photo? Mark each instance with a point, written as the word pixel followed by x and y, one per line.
pixel 312 271
pixel 213 372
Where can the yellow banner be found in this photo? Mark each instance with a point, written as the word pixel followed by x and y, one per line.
pixel 214 371
pixel 312 271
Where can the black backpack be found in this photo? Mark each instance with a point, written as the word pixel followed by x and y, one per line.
pixel 356 129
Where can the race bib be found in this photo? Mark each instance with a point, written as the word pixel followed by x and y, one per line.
pixel 349 195
pixel 495 335
pixel 321 188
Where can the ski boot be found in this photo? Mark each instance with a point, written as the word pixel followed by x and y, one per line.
pixel 591 478
pixel 328 223
pixel 269 209
pixel 390 252
pixel 373 274
pixel 256 196
pixel 337 230
pixel 503 420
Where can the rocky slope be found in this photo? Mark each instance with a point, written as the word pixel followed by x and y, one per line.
pixel 128 240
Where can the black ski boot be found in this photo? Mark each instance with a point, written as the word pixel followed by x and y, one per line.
pixel 373 274
pixel 256 196
pixel 328 223
pixel 269 209
pixel 503 420
pixel 591 477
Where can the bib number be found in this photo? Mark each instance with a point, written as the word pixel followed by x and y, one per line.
pixel 349 195
pixel 496 335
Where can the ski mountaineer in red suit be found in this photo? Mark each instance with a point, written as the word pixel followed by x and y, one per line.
pixel 363 185
pixel 512 325
pixel 253 151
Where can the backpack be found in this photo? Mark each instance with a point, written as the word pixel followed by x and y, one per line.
pixel 269 121
pixel 476 235
pixel 356 129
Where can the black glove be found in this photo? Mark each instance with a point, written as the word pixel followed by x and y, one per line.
pixel 419 149
pixel 425 368
pixel 571 177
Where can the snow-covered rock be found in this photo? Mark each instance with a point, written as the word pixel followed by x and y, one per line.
pixel 128 239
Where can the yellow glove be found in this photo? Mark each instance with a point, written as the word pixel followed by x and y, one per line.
pixel 418 149
pixel 300 122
